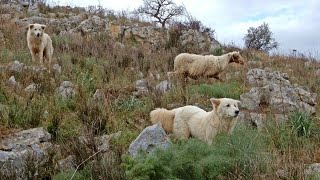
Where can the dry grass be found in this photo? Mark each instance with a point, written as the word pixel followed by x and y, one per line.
pixel 94 62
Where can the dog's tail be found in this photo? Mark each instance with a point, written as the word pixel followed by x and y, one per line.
pixel 164 116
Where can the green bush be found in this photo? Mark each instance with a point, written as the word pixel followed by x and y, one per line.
pixel 218 51
pixel 218 90
pixel 239 155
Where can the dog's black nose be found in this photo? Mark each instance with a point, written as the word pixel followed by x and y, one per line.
pixel 237 111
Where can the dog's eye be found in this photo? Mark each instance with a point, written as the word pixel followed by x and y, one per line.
pixel 228 105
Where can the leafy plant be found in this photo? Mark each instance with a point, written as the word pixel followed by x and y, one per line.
pixel 241 153
pixel 218 51
pixel 301 123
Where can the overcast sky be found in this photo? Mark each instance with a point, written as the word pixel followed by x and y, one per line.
pixel 295 23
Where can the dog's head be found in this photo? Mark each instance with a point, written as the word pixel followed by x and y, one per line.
pixel 236 57
pixel 225 108
pixel 37 30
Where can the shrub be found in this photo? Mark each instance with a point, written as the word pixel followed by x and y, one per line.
pixel 238 155
pixel 218 51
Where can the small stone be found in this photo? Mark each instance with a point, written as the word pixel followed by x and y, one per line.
pixel 32 88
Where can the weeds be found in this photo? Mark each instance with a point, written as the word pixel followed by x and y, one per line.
pixel 301 123
pixel 239 155
pixel 218 90
pixel 93 61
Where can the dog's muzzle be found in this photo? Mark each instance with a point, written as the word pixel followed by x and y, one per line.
pixel 236 113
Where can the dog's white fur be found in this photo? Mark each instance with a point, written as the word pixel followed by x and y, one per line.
pixel 194 66
pixel 193 121
pixel 39 43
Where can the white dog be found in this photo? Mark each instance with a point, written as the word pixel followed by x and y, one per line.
pixel 39 43
pixel 189 121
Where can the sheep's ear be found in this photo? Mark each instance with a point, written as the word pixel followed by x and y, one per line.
pixel 31 26
pixel 215 102
pixel 43 26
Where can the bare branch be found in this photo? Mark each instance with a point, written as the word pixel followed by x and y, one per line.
pixel 162 10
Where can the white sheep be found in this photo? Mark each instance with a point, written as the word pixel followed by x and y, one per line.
pixel 210 66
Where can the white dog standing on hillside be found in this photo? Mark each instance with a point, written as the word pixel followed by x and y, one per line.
pixel 39 43
pixel 192 121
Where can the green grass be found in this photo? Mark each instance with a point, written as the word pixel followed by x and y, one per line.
pixel 218 90
pixel 301 123
pixel 25 115
pixel 240 155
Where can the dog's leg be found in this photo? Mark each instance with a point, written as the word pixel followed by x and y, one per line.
pixel 180 129
pixel 48 58
pixel 33 56
pixel 41 56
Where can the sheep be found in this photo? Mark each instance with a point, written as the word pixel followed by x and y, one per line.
pixel 210 66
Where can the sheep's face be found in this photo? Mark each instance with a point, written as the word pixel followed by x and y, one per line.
pixel 225 108
pixel 236 57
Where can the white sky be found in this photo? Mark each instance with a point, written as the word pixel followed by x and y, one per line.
pixel 295 23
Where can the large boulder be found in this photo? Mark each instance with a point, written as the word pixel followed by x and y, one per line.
pixel 274 92
pixel 93 24
pixel 154 36
pixel 149 139
pixel 25 149
pixel 194 38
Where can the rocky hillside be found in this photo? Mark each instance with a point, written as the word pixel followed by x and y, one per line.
pixel 84 114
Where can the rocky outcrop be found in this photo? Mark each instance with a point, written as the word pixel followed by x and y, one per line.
pixel 193 38
pixel 274 93
pixel 24 150
pixel 93 24
pixel 149 139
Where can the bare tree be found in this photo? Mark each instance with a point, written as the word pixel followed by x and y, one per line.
pixel 260 38
pixel 161 10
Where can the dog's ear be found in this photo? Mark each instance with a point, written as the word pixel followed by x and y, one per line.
pixel 215 102
pixel 31 26
pixel 235 54
pixel 238 102
pixel 43 27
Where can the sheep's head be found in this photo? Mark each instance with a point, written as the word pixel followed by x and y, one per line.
pixel 236 57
